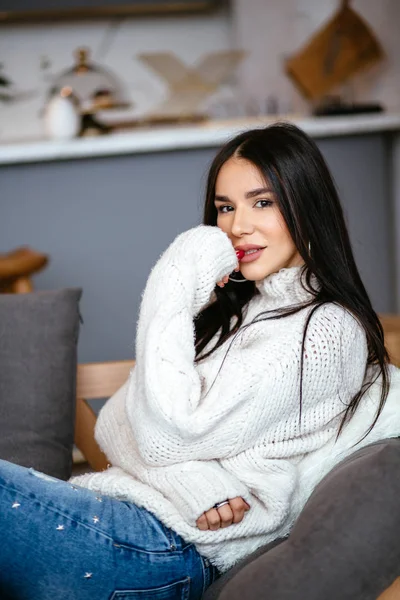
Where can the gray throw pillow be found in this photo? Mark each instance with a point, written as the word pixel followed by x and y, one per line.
pixel 38 360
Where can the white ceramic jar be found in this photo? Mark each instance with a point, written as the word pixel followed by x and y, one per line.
pixel 62 120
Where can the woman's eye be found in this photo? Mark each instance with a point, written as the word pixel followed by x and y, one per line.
pixel 264 203
pixel 224 209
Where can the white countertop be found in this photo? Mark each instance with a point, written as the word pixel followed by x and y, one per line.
pixel 180 137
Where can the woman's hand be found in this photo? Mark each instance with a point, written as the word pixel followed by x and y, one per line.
pixel 225 279
pixel 225 515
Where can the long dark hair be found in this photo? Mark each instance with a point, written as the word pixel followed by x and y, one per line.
pixel 292 163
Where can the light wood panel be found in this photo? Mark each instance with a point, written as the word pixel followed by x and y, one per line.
pixel 392 592
pixel 102 380
pixel 94 381
pixel 85 421
pixel 391 327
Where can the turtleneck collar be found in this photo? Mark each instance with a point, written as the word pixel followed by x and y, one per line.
pixel 284 288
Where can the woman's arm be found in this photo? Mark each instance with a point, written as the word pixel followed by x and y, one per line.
pixel 164 386
pixel 172 418
pixel 179 287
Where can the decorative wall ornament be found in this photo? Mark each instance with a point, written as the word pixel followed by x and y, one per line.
pixel 189 87
pixel 343 47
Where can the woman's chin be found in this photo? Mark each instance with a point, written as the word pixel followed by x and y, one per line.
pixel 254 272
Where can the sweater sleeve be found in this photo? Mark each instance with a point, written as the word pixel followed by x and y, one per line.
pixel 165 405
pixel 192 486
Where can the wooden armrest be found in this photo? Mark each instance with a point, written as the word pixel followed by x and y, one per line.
pixel 96 380
pixel 392 592
pixel 85 421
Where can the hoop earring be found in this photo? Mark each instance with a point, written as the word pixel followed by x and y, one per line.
pixel 237 280
pixel 309 249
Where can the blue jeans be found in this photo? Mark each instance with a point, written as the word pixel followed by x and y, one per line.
pixel 62 542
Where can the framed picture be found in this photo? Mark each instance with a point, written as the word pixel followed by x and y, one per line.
pixel 39 10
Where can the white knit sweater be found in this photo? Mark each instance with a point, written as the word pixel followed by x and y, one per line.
pixel 182 436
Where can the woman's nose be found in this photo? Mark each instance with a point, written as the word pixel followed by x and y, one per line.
pixel 241 224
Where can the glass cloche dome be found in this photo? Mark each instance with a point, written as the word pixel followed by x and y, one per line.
pixel 94 87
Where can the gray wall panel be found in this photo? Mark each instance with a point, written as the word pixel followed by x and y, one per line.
pixel 105 221
pixel 361 169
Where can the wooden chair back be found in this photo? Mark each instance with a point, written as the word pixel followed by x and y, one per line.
pixel 391 327
pixel 94 381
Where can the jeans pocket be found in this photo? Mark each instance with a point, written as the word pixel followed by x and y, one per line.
pixel 173 591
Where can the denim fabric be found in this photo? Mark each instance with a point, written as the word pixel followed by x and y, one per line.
pixel 62 542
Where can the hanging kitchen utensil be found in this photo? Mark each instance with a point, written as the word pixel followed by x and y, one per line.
pixel 339 50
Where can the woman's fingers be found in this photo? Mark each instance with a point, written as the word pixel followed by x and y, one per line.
pixel 239 507
pixel 223 281
pixel 226 515
pixel 202 522
pixel 213 519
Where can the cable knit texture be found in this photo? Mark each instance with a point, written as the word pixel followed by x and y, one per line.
pixel 182 436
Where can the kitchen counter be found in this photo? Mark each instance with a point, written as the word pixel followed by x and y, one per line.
pixel 181 137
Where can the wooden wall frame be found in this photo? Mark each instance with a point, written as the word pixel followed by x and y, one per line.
pixel 139 9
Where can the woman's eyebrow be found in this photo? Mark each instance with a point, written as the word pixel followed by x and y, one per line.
pixel 250 194
pixel 258 192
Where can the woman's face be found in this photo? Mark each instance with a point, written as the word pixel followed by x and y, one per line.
pixel 248 213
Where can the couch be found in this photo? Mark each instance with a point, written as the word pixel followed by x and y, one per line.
pixel 346 542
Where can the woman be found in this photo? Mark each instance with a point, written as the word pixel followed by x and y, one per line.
pixel 249 386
